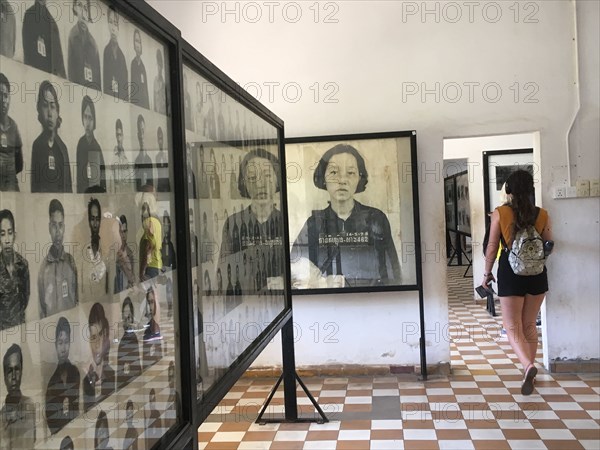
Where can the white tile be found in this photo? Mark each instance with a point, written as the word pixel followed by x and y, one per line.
pixel 328 426
pixel 413 399
pixel 359 400
pixel 320 445
pixel 455 445
pixel 550 434
pixel 209 427
pixel 470 399
pixel 463 384
pixel 202 445
pixel 337 393
pixel 498 361
pixel 439 391
pixel 550 391
pixel 486 378
pixel 386 392
pixel 449 407
pixel 572 383
pixel 594 414
pixel 291 435
pixel 495 391
pixel 386 445
pixel 532 415
pixel 386 425
pixel 354 435
pixel 590 444
pixel 586 398
pixel 507 424
pixel 419 435
pixel 484 434
pixel 581 424
pixel 359 386
pixel 228 436
pixel 527 444
pixel 450 424
pixel 565 406
pixel 233 395
pixel 478 414
pixel 265 427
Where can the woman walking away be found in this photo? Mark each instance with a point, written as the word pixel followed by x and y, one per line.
pixel 526 237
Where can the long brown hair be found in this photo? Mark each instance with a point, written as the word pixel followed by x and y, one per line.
pixel 520 186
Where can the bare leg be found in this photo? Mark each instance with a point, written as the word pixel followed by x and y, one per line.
pixel 531 308
pixel 512 317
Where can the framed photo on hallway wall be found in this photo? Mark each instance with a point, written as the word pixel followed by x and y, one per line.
pixel 354 220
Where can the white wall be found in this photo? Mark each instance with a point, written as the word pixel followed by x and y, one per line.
pixel 374 55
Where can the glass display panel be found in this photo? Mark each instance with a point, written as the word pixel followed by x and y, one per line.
pixel 236 225
pixel 88 287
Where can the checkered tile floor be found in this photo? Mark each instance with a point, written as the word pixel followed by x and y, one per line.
pixel 478 407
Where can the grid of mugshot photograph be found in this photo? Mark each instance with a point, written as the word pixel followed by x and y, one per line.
pixel 236 225
pixel 87 288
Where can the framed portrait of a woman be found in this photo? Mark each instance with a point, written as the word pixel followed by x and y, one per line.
pixel 354 220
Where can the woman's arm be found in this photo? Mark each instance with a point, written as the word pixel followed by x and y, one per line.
pixel 492 249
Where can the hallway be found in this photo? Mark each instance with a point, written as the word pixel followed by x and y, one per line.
pixel 479 406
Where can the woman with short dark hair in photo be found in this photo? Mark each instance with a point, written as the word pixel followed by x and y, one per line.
pixel 11 153
pixel 50 166
pixel 91 171
pixel 348 241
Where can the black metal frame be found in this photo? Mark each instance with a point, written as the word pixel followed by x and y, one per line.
pixel 416 224
pixel 412 134
pixel 486 173
pixel 457 250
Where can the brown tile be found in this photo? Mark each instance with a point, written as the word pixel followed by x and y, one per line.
pixel 491 445
pixel 359 393
pixel 518 434
pixel 286 445
pixel 547 424
pixel 593 435
pixel 442 398
pixel 456 434
pixel 573 415
pixel 329 435
pixel 470 406
pixel 462 377
pixel 234 426
pixel 205 437
pixel 451 415
pixel 490 384
pixel 413 391
pixel 438 384
pixel 533 407
pixel 352 445
pixel 355 425
pixel 357 408
pixel 387 435
pixel 329 400
pixel 479 424
pixel 557 398
pixel 580 391
pixel 563 444
pixel 220 446
pixel 509 415
pixel 590 406
pixel 421 445
pixel 259 436
pixel 499 398
pixel 418 424
pixel 294 426
pixel 467 391
pixel 385 385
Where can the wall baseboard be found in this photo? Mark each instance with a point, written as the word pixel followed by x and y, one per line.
pixel 575 366
pixel 350 370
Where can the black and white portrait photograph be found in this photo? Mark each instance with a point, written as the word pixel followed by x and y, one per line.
pixel 18 412
pixel 83 60
pixel 99 380
pixel 14 275
pixel 57 277
pixel 62 393
pixel 11 146
pixel 357 217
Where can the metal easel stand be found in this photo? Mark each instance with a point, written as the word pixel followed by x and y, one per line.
pixel 289 378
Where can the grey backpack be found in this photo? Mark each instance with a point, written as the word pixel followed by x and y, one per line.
pixel 526 256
